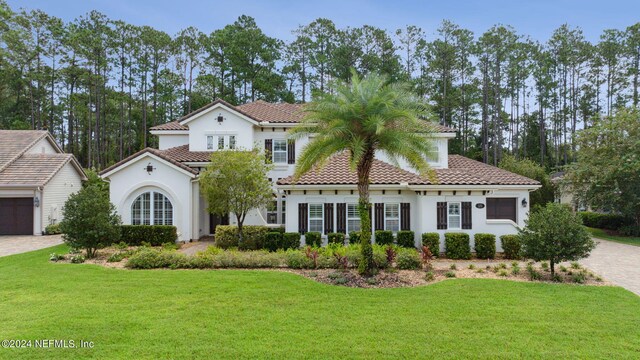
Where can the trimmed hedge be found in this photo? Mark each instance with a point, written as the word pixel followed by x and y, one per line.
pixel 485 246
pixel 604 221
pixel 279 229
pixel 457 245
pixel 313 239
pixel 254 236
pixel 273 241
pixel 408 259
pixel 511 245
pixel 335 238
pixel 406 239
pixel 354 237
pixel 155 235
pixel 290 240
pixel 384 237
pixel 432 241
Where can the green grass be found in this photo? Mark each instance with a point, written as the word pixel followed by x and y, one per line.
pixel 601 234
pixel 266 314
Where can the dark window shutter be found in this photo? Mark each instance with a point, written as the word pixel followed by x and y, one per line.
pixel 466 215
pixel 291 151
pixel 379 215
pixel 405 216
pixel 268 148
pixel 328 218
pixel 341 218
pixel 303 217
pixel 442 215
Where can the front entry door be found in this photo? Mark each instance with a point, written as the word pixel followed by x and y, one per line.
pixel 215 220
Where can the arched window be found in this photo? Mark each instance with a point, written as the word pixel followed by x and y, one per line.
pixel 147 212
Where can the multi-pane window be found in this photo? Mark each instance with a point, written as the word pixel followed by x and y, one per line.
pixel 353 218
pixel 392 217
pixel 454 215
pixel 272 212
pixel 316 221
pixel 209 142
pixel 232 142
pixel 147 212
pixel 220 142
pixel 279 151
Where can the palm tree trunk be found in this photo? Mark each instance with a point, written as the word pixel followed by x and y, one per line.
pixel 367 265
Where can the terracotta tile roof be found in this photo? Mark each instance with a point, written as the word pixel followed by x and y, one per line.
pixel 182 154
pixel 173 125
pixel 159 153
pixel 14 143
pixel 273 112
pixel 461 171
pixel 33 169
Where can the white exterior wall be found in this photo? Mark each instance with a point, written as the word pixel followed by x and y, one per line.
pixel 440 143
pixel 166 141
pixel 423 209
pixel 131 181
pixel 42 147
pixel 55 193
pixel 207 124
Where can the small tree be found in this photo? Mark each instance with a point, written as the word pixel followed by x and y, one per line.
pixel 90 220
pixel 556 234
pixel 236 182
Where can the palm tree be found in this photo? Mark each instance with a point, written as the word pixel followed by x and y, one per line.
pixel 366 115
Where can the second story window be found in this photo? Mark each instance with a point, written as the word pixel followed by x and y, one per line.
pixel 209 142
pixel 279 151
pixel 220 142
pixel 232 142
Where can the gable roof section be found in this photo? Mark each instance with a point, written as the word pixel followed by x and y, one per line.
pixel 21 169
pixel 14 143
pixel 159 153
pixel 461 171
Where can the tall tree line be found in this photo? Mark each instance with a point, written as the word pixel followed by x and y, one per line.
pixel 99 84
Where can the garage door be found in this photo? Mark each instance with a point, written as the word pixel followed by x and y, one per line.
pixel 16 216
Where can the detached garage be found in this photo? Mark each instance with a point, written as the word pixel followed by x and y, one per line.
pixel 36 178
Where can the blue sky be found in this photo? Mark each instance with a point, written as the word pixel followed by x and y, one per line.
pixel 278 17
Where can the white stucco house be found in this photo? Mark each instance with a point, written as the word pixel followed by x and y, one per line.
pixel 160 186
pixel 36 178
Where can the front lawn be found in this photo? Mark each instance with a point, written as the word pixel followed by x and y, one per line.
pixel 602 234
pixel 257 314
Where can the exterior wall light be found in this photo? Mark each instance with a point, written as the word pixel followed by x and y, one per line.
pixel 36 201
pixel 524 203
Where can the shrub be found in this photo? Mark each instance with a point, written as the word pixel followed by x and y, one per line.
pixel 149 258
pixel 384 237
pixel 511 246
pixel 290 240
pixel 313 239
pixel 279 229
pixel 429 276
pixel 604 221
pixel 90 220
pixel 335 238
pixel 117 257
pixel 155 235
pixel 503 272
pixel 556 234
pixel 53 229
pixel 273 241
pixel 629 230
pixel 406 239
pixel 77 259
pixel 515 270
pixel 485 246
pixel 579 277
pixel 408 259
pixel 533 273
pixel 432 240
pixel 56 257
pixel 450 274
pixel 354 237
pixel 457 245
pixel 298 260
pixel 254 236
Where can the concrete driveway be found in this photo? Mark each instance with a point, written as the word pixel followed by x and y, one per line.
pixel 16 244
pixel 618 263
